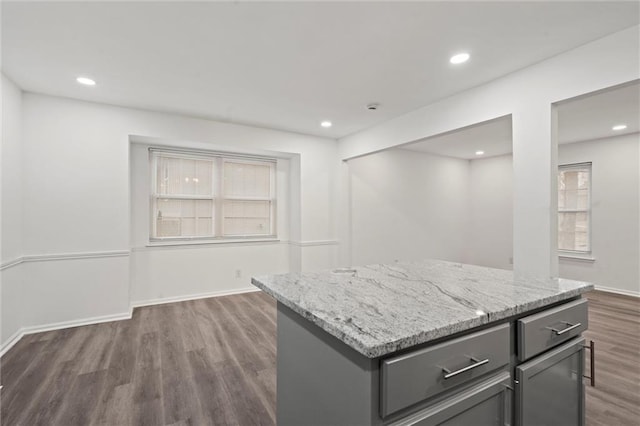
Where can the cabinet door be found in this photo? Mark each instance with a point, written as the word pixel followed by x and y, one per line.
pixel 549 389
pixel 485 404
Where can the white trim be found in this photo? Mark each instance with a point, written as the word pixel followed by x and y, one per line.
pixel 163 300
pixel 191 244
pixel 579 257
pixel 11 263
pixel 77 323
pixel 239 243
pixel 314 243
pixel 15 338
pixel 618 291
pixel 162 143
pixel 60 325
pixel 73 256
pixel 175 242
pixel 64 256
pixel 203 244
pixel 198 154
pixel 11 341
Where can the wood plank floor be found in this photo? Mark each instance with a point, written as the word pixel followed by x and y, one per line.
pixel 212 361
pixel 207 361
pixel 614 326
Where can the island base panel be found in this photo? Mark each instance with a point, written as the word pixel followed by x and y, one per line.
pixel 321 380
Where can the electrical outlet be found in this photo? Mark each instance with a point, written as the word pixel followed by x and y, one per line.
pixel 238 273
pixel 511 261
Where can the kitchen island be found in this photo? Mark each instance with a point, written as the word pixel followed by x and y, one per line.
pixel 427 342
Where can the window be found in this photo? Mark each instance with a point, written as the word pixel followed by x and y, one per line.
pixel 574 208
pixel 211 196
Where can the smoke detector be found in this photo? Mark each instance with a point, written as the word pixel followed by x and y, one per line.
pixel 373 106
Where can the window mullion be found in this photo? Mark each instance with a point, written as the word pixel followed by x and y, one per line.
pixel 153 201
pixel 218 177
pixel 272 203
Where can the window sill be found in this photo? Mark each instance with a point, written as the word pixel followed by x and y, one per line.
pixel 576 256
pixel 230 241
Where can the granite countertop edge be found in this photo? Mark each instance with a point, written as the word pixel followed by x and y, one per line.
pixel 426 336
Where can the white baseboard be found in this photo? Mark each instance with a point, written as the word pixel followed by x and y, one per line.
pixel 77 323
pixel 15 338
pixel 11 341
pixel 164 300
pixel 618 291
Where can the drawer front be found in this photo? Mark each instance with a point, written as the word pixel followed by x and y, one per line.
pixel 542 331
pixel 487 403
pixel 415 376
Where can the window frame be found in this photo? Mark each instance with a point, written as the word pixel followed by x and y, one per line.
pixel 272 199
pixel 217 197
pixel 586 254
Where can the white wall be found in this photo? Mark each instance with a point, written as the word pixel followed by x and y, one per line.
pixel 11 209
pixel 490 236
pixel 615 212
pixel 11 171
pixel 407 205
pixel 527 95
pixel 200 269
pixel 410 205
pixel 77 234
pixel 75 182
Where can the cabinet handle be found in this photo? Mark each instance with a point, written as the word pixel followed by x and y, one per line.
pixel 449 374
pixel 565 330
pixel 592 361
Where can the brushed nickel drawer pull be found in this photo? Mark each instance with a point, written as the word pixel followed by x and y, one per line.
pixel 476 363
pixel 565 330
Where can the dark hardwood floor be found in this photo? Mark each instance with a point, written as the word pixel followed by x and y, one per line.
pixel 614 326
pixel 212 361
pixel 208 361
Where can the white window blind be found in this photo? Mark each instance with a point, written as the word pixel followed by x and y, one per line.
pixel 211 196
pixel 574 208
pixel 247 198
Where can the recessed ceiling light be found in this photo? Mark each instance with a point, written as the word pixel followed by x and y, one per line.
pixel 459 58
pixel 479 152
pixel 619 127
pixel 86 81
pixel 326 124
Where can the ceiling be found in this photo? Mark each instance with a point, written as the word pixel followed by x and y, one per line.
pixel 584 118
pixel 492 137
pixel 288 65
pixel 593 116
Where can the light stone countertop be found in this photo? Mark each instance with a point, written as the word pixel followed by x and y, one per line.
pixel 379 309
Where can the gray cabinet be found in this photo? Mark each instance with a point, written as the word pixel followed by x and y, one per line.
pixel 547 329
pixel 418 375
pixel 549 388
pixel 474 379
pixel 485 404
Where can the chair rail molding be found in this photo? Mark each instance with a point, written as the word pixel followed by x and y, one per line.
pixel 10 263
pixel 64 256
